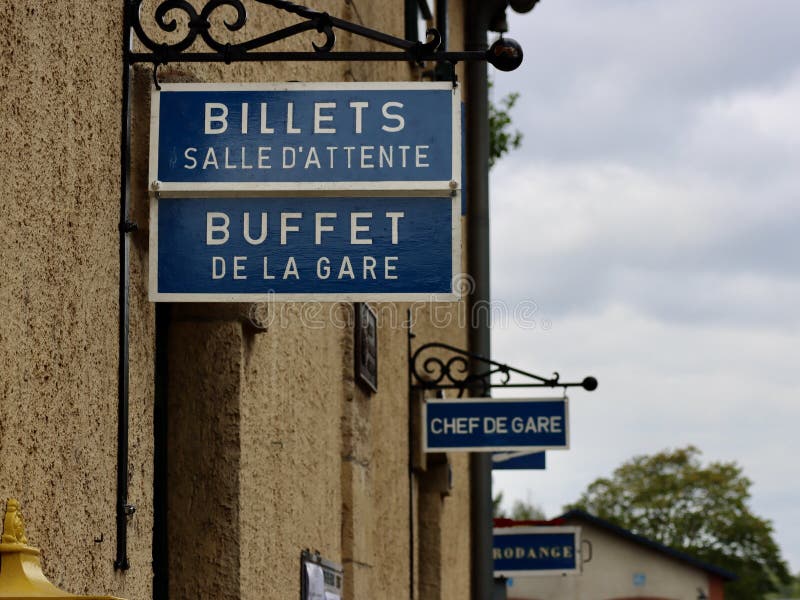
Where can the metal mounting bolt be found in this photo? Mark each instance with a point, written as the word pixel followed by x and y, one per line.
pixel 129 509
pixel 155 185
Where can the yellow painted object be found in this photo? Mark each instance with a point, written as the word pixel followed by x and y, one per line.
pixel 20 566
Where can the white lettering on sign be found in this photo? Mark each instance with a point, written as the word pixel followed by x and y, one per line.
pixel 355 228
pixel 400 121
pixel 495 424
pixel 264 129
pixel 369 268
pixel 346 270
pixel 455 425
pixel 309 157
pixel 285 227
pixel 239 266
pixel 291 269
pixel 266 269
pixel 218 227
pixel 189 156
pixel 361 228
pixel 218 117
pixel 266 120
pixel 532 552
pixel 389 267
pixel 262 234
pixel 358 107
pixel 319 117
pixel 320 227
pixel 290 128
pixel 244 118
pixel 540 424
pixel 263 157
pixel 217 222
pixel 216 120
pixel 323 268
pixel 217 267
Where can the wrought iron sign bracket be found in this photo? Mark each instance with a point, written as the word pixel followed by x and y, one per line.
pixel 437 366
pixel 206 20
pixel 504 54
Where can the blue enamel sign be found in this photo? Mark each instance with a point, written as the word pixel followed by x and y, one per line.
pixel 541 550
pixel 314 137
pixel 340 249
pixel 518 460
pixel 488 425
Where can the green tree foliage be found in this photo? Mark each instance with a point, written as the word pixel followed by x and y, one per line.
pixel 672 498
pixel 497 508
pixel 520 511
pixel 789 590
pixel 501 139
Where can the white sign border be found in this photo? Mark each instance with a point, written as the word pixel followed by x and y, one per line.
pixel 521 449
pixel 455 294
pixel 575 529
pixel 300 188
pixel 502 457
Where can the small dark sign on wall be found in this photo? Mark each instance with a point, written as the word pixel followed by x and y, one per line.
pixel 366 351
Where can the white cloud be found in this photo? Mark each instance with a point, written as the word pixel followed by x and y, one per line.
pixel 652 216
pixel 664 386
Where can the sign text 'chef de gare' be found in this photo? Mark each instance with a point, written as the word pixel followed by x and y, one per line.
pixel 296 191
pixel 491 425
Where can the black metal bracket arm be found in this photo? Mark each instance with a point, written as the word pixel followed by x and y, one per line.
pixel 437 366
pixel 505 54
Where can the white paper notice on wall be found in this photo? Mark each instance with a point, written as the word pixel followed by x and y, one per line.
pixel 316 582
pixel 331 596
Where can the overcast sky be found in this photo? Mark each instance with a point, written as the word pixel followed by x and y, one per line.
pixel 652 216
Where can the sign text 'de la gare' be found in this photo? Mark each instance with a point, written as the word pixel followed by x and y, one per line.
pixel 224 249
pixel 300 136
pixel 486 424
pixel 540 550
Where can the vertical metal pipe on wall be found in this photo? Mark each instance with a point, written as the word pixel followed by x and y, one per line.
pixel 125 228
pixel 477 126
pixel 160 455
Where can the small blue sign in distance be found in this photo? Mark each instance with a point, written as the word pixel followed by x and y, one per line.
pixel 305 136
pixel 328 249
pixel 533 460
pixel 488 425
pixel 544 550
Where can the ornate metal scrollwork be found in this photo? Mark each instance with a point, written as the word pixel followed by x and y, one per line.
pixel 437 366
pixel 199 24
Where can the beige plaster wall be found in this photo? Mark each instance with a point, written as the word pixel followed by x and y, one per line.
pixel 273 446
pixel 609 574
pixel 60 74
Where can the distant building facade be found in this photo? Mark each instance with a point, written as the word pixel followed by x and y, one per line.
pixel 624 566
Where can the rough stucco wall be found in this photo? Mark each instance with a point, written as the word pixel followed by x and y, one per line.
pixel 291 494
pixel 204 458
pixel 322 464
pixel 60 74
